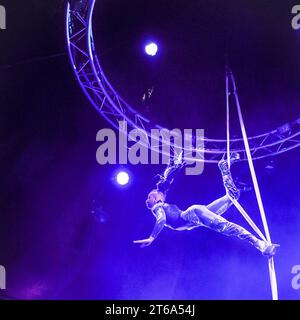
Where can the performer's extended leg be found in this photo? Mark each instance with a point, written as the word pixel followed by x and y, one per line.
pixel 221 205
pixel 200 215
pixel 231 189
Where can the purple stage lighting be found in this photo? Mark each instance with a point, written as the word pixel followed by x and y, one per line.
pixel 151 49
pixel 122 178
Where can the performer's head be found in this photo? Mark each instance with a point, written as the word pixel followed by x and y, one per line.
pixel 154 197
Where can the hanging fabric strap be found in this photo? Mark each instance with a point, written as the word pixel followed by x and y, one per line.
pixel 273 281
pixel 235 202
pixel 227 118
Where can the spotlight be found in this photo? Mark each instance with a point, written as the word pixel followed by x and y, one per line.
pixel 151 49
pixel 122 178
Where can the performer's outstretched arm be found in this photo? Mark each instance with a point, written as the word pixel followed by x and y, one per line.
pixel 160 215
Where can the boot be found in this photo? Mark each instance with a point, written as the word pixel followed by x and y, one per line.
pixel 269 250
pixel 230 229
pixel 229 185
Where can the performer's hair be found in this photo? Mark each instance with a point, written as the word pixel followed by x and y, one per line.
pixel 159 191
pixel 163 186
pixel 167 178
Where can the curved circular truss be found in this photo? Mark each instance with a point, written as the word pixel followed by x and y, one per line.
pixel 114 109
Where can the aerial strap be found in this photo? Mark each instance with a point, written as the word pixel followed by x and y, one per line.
pixel 267 237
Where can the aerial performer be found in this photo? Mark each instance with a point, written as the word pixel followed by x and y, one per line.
pixel 209 216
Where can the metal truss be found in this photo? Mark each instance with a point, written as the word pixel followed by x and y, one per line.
pixel 111 106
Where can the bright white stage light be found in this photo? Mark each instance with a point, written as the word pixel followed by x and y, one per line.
pixel 122 178
pixel 151 49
